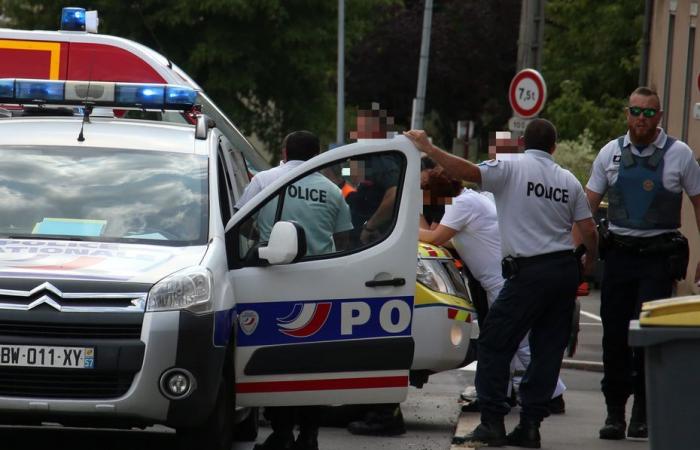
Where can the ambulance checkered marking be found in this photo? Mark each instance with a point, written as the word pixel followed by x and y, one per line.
pixel 459 315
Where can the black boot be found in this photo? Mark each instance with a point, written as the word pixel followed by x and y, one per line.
pixel 489 433
pixel 638 420
pixel 306 441
pixel 387 420
pixel 525 434
pixel 282 424
pixel 277 441
pixel 614 427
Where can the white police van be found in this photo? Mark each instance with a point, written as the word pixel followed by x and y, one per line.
pixel 130 292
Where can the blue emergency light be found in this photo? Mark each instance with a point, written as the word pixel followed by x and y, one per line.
pixel 73 19
pixel 147 96
pixel 98 93
pixel 7 90
pixel 37 91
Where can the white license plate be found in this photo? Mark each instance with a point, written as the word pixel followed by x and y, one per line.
pixel 41 356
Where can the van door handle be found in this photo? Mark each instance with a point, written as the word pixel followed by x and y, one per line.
pixel 392 282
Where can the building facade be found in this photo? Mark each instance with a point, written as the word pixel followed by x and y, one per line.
pixel 670 65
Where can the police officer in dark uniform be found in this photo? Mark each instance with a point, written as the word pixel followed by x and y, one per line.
pixel 644 174
pixel 538 203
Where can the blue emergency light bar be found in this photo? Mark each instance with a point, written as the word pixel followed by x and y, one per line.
pixel 98 93
pixel 73 19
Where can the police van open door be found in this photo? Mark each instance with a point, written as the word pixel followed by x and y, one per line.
pixel 331 324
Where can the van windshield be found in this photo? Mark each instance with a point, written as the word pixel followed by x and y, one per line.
pixel 107 195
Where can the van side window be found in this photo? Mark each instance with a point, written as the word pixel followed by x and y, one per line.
pixel 237 168
pixel 344 207
pixel 225 191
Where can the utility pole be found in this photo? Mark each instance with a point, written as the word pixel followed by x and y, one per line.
pixel 531 35
pixel 340 113
pixel 419 101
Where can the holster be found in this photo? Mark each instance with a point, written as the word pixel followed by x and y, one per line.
pixel 509 268
pixel 604 238
pixel 675 247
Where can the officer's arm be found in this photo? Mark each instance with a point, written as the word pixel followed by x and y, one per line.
pixel 341 240
pixel 594 199
pixel 438 236
pixel 586 230
pixel 454 165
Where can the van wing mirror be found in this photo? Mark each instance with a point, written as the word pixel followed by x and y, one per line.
pixel 287 243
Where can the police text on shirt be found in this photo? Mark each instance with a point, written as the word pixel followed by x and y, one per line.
pixel 548 192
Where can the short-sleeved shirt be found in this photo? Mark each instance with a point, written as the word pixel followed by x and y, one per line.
pixel 314 201
pixel 680 172
pixel 537 201
pixel 473 216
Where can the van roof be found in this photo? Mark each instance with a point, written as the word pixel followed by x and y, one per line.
pixel 99 133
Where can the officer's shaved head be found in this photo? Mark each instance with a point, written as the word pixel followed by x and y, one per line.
pixel 301 145
pixel 540 134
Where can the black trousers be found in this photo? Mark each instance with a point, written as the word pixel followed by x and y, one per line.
pixel 628 281
pixel 540 299
pixel 283 418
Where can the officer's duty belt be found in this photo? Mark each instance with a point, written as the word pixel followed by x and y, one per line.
pixel 662 243
pixel 525 260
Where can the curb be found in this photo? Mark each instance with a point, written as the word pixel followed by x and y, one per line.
pixel 591 366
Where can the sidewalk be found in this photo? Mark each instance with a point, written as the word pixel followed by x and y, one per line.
pixel 575 430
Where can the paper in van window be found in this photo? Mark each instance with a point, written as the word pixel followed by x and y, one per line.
pixel 70 227
pixel 156 236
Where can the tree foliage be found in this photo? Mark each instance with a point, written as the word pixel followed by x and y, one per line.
pixel 472 59
pixel 591 64
pixel 270 64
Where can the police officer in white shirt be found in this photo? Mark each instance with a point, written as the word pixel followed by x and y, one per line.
pixel 644 174
pixel 471 222
pixel 538 203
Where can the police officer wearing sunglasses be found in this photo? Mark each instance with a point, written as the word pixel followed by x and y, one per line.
pixel 644 173
pixel 538 203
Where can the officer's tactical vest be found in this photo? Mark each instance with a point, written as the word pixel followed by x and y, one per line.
pixel 638 199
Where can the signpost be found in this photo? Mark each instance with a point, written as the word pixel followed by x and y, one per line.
pixel 517 124
pixel 527 94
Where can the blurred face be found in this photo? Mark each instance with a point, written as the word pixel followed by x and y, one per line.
pixel 643 116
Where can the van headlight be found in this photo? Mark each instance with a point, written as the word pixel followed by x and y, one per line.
pixel 187 289
pixel 431 274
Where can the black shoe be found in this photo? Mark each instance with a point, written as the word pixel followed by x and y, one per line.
pixel 379 425
pixel 638 419
pixel 638 430
pixel 306 442
pixel 525 434
pixel 557 405
pixel 475 406
pixel 472 406
pixel 277 441
pixel 613 429
pixel 486 434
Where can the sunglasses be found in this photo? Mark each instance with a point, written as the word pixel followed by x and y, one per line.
pixel 648 112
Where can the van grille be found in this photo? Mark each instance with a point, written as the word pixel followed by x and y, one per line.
pixel 58 383
pixel 70 330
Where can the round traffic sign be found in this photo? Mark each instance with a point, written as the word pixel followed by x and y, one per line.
pixel 527 93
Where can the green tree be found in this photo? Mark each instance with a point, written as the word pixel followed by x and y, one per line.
pixel 591 64
pixel 269 64
pixel 472 59
pixel 577 155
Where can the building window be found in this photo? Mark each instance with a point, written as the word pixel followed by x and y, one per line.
pixel 669 58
